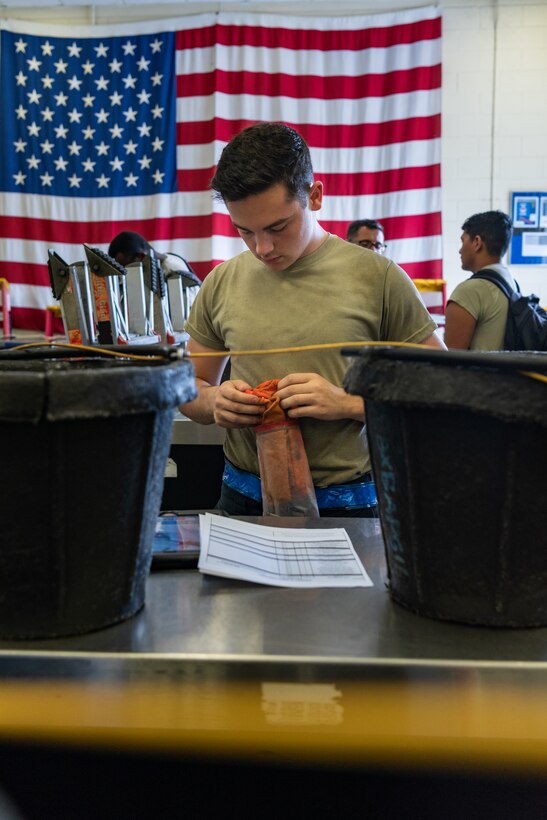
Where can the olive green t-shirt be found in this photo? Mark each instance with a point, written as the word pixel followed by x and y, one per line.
pixel 339 293
pixel 488 306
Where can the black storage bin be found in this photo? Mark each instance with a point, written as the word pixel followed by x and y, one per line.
pixel 84 447
pixel 458 443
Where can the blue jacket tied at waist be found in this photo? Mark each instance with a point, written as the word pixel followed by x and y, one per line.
pixel 361 494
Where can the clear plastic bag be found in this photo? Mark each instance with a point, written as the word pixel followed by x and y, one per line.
pixel 287 486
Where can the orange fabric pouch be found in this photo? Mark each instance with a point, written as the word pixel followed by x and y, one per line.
pixel 287 487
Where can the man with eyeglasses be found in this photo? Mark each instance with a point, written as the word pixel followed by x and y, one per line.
pixel 368 233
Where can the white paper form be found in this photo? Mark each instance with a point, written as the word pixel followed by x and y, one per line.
pixel 279 556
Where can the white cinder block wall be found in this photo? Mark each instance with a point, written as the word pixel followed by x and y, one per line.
pixel 494 95
pixel 494 118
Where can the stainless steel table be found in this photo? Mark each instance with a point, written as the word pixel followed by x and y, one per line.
pixel 232 682
pixel 187 613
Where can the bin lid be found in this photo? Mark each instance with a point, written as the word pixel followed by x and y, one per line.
pixel 509 386
pixel 32 389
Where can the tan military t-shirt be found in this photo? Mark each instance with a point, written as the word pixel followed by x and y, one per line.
pixel 339 293
pixel 488 306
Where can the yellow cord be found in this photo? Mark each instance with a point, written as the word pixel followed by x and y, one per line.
pixel 93 349
pixel 330 346
pixel 539 376
pixel 219 353
pixel 325 346
pixel 268 351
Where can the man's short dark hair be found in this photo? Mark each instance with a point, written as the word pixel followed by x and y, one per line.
pixel 353 228
pixel 260 156
pixel 129 243
pixel 495 229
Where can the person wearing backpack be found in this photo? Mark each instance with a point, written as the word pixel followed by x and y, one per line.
pixel 477 309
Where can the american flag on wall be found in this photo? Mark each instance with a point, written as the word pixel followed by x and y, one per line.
pixel 119 128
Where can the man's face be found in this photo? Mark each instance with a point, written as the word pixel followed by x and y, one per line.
pixel 467 252
pixel 276 229
pixel 370 238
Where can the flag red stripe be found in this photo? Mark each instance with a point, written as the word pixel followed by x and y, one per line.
pixel 405 227
pixel 299 39
pixel 99 233
pixel 401 227
pixel 183 227
pixel 32 319
pixel 309 86
pixel 201 269
pixel 23 273
pixel 44 230
pixel 362 135
pixel 194 38
pixel 394 179
pixel 395 227
pixel 194 179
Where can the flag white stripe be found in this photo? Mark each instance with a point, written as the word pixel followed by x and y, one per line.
pixel 420 249
pixel 377 158
pixel 395 203
pixel 159 206
pixel 36 253
pixel 256 59
pixel 309 110
pixel 31 296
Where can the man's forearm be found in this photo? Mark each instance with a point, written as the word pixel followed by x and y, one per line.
pixel 355 408
pixel 201 410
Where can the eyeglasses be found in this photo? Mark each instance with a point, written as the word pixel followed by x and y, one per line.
pixel 379 247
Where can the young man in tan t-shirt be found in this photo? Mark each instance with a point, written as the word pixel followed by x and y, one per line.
pixel 295 285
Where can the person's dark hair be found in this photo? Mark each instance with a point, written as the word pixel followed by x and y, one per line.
pixel 495 229
pixel 353 227
pixel 261 156
pixel 128 243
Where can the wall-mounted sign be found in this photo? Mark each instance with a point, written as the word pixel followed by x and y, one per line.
pixel 529 214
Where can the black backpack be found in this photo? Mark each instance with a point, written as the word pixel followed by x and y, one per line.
pixel 526 327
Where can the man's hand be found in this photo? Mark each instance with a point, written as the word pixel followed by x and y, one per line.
pixel 311 395
pixel 235 408
pixel 225 403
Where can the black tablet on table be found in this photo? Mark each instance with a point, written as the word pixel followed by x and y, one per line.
pixel 176 541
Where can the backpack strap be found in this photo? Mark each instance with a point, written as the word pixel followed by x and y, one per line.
pixel 496 279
